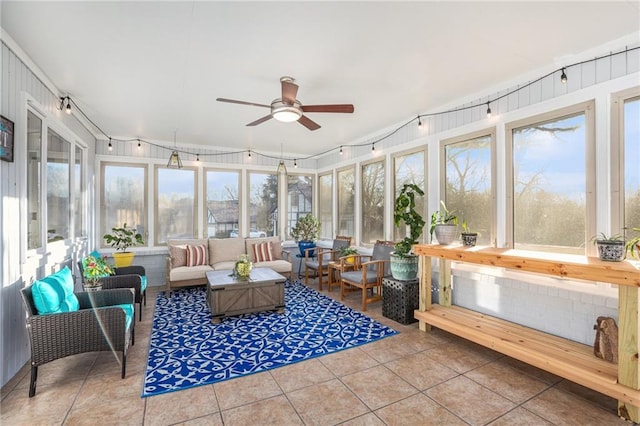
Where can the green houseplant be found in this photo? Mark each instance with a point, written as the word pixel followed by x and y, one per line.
pixel 93 270
pixel 611 248
pixel 634 244
pixel 444 223
pixel 404 265
pixel 469 238
pixel 306 232
pixel 121 238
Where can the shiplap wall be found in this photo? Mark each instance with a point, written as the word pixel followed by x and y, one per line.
pixel 18 82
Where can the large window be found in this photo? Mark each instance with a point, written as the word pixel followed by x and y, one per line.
pixel 263 204
pixel 124 198
pixel 552 181
pixel 222 207
pixel 325 205
pixel 58 187
pixel 632 165
pixel 372 195
pixel 468 182
pixel 409 168
pixel 34 188
pixel 346 202
pixel 299 199
pixel 176 204
pixel 79 194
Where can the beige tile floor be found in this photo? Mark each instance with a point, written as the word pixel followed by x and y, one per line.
pixel 412 378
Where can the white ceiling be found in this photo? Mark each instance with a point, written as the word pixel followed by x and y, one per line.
pixel 149 69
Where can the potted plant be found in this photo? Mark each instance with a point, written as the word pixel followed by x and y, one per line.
pixel 468 237
pixel 93 270
pixel 306 232
pixel 348 252
pixel 634 244
pixel 242 268
pixel 404 264
pixel 445 225
pixel 610 248
pixel 121 238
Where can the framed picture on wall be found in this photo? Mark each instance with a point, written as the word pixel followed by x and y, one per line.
pixel 6 139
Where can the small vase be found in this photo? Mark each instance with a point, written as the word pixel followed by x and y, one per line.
pixel 469 238
pixel 92 287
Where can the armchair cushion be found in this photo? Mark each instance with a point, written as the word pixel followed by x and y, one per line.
pixel 54 293
pixel 128 311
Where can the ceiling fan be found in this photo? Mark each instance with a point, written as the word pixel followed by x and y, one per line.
pixel 288 108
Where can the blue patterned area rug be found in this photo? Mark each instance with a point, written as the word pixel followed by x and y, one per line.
pixel 187 350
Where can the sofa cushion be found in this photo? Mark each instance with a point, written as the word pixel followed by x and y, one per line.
pixel 262 251
pixel 225 249
pixel 178 255
pixel 276 247
pixel 279 266
pixel 225 264
pixel 54 293
pixel 197 255
pixel 189 272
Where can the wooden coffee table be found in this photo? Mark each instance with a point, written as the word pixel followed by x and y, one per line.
pixel 228 296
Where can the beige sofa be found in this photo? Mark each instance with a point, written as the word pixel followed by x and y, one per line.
pixel 223 253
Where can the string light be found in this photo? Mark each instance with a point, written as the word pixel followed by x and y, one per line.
pixel 295 163
pixel 563 78
pixel 139 144
pixel 110 145
pixel 67 100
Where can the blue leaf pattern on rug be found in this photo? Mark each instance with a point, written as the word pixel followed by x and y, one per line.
pixel 187 350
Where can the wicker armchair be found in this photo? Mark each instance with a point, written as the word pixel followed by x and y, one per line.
pixel 125 277
pixel 96 326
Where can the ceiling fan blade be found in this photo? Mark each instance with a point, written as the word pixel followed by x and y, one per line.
pixel 347 108
pixel 231 101
pixel 289 91
pixel 260 120
pixel 308 123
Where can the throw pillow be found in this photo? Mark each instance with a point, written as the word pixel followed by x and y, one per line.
pixel 262 252
pixel 197 255
pixel 54 293
pixel 178 256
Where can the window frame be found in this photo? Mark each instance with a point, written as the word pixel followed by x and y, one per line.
pixel 394 184
pixel 205 200
pixel 196 198
pixel 102 213
pixel 444 143
pixel 247 218
pixel 287 228
pixel 350 168
pixel 331 177
pixel 363 164
pixel 588 109
pixel 618 190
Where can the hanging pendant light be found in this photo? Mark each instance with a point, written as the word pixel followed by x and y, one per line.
pixel 174 160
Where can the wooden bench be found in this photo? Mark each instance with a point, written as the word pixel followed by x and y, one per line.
pixel 563 357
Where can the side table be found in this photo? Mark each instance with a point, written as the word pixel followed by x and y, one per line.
pixel 400 299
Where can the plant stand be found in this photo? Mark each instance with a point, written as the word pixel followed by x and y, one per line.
pixel 400 299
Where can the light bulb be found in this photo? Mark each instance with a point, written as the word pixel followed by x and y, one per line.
pixel 340 150
pixel 373 147
pixel 110 146
pixel 295 163
pixel 488 110
pixel 68 109
pixel 563 76
pixel 419 123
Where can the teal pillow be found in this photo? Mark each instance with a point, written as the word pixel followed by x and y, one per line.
pixel 54 294
pixel 128 311
pixel 143 284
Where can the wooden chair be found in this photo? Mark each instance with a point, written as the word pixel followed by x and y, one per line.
pixel 367 276
pixel 323 257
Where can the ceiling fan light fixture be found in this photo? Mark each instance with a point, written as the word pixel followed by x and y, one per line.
pixel 285 112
